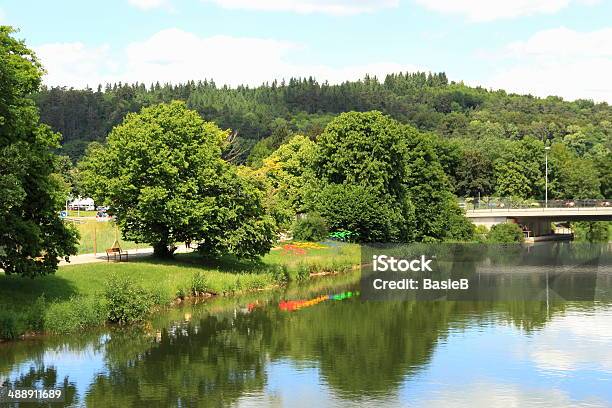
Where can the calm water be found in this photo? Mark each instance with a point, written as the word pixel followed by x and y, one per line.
pixel 345 352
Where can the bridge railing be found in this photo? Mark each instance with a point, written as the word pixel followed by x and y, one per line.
pixel 496 204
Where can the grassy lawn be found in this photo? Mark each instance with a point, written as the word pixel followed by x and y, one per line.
pixel 81 213
pixel 97 236
pixel 76 287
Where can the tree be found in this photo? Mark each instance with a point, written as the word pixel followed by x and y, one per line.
pixel 360 164
pixel 371 164
pixel 505 233
pixel 604 169
pixel 519 172
pixel 310 228
pixel 32 236
pixel 571 176
pixel 474 175
pixel 437 213
pixel 511 182
pixel 288 175
pixel 162 175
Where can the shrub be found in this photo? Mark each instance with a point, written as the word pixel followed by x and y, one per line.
pixel 280 274
pixel 199 284
pixel 75 314
pixel 371 215
pixel 182 293
pixel 35 316
pixel 303 272
pixel 12 325
pixel 592 231
pixel 127 301
pixel 254 281
pixel 480 233
pixel 15 323
pixel 505 233
pixel 311 228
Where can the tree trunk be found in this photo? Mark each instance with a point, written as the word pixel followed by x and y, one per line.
pixel 162 250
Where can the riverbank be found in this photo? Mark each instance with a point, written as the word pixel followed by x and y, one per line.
pixel 90 295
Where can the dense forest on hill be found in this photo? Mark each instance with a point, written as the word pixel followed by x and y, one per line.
pixel 489 142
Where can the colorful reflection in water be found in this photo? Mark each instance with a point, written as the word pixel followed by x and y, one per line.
pixel 293 305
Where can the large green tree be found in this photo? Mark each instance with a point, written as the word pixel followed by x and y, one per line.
pixel 32 236
pixel 437 213
pixel 360 165
pixel 474 174
pixel 368 163
pixel 571 176
pixel 162 174
pixel 519 171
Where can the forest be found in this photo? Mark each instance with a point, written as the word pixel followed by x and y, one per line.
pixel 490 143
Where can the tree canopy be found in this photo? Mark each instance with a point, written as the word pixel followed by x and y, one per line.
pixel 32 236
pixel 162 175
pixel 383 180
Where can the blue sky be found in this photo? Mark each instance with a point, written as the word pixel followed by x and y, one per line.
pixel 561 47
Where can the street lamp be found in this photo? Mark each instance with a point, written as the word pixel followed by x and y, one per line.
pixel 546 149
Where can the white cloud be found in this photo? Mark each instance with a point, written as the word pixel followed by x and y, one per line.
pixel 74 64
pixel 560 62
pixel 488 10
pixel 150 4
pixel 485 394
pixel 336 7
pixel 563 42
pixel 575 341
pixel 175 55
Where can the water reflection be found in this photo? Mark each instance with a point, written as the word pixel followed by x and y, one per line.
pixel 335 353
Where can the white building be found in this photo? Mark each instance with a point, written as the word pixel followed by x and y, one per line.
pixel 81 203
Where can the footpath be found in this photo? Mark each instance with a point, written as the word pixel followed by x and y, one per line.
pixel 101 256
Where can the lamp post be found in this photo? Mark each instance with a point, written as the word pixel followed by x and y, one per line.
pixel 546 149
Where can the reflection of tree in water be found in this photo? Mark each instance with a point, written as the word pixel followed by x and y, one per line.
pixel 364 350
pixel 370 348
pixel 42 377
pixel 209 364
pixel 361 348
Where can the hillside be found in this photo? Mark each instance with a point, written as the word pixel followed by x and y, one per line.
pixel 466 119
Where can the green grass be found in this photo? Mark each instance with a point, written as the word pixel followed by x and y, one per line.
pixel 72 296
pixel 97 236
pixel 82 213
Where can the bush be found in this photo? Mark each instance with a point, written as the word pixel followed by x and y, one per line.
pixel 16 323
pixel 303 272
pixel 592 231
pixel 182 293
pixel 480 233
pixel 370 215
pixel 254 281
pixel 74 314
pixel 199 284
pixel 505 233
pixel 280 274
pixel 12 325
pixel 127 301
pixel 311 228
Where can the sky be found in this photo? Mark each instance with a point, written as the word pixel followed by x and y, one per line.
pixel 541 47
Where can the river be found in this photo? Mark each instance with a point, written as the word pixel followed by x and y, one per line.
pixel 323 345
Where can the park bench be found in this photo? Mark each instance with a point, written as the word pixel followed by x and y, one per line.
pixel 116 252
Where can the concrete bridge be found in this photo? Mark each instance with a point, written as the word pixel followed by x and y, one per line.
pixel 535 218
